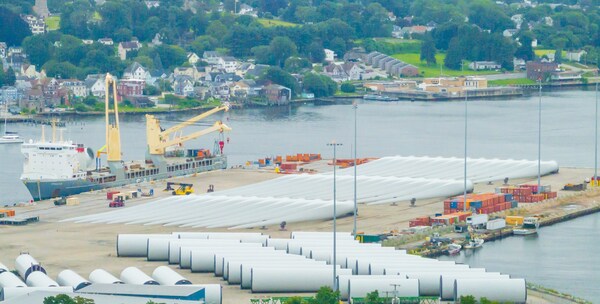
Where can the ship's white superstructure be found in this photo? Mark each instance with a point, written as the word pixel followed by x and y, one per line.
pixel 54 160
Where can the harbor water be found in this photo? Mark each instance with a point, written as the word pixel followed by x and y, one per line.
pixel 561 257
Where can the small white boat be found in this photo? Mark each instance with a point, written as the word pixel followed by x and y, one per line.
pixel 454 249
pixel 474 244
pixel 523 231
pixel 10 138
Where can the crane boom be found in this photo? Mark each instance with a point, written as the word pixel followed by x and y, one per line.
pixel 218 126
pixel 113 135
pixel 193 120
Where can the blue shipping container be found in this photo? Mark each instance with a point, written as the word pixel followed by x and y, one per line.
pixel 508 197
pixel 476 204
pixel 453 205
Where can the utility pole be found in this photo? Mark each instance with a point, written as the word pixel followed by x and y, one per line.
pixel 355 107
pixel 334 264
pixel 540 136
pixel 465 169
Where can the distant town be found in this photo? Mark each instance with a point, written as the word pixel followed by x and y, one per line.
pixel 60 62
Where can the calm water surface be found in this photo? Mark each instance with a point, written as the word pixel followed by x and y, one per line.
pixel 561 257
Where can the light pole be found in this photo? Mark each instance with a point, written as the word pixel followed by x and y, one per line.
pixel 596 140
pixel 355 107
pixel 540 137
pixel 465 169
pixel 334 145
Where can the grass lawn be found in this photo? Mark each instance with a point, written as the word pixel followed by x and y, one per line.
pixel 506 82
pixel 434 70
pixel 397 40
pixel 542 52
pixel 273 22
pixel 53 23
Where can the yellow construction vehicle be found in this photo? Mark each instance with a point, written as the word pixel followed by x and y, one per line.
pixel 184 189
pixel 159 139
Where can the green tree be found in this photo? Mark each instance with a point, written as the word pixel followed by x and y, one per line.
pixel 558 56
pixel 262 54
pixel 316 53
pixel 468 300
pixel 171 55
pixel 525 51
pixel 295 300
pixel 454 57
pixel 281 48
pixel 90 100
pixel 38 49
pixel 10 77
pixel 373 298
pixel 320 85
pixel 65 299
pixel 348 87
pixel 428 50
pixel 325 295
pixel 12 28
pixel 217 30
pixel 62 70
pixel 296 64
pixel 281 77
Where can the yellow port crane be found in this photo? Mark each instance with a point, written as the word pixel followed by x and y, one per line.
pixel 158 139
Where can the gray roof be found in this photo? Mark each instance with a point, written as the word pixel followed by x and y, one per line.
pixel 38 297
pixel 181 292
pixel 132 67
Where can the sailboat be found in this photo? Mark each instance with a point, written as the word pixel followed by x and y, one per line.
pixel 10 137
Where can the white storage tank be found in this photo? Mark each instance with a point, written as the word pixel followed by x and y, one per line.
pixel 246 270
pixel 26 264
pixel 40 279
pixel 185 251
pixel 133 275
pixel 204 260
pixel 101 276
pixel 7 293
pixel 447 281
pixel 360 287
pixel 265 279
pixel 69 277
pixel 213 293
pixel 136 245
pixel 175 247
pixel 504 290
pixel 9 279
pixel 167 276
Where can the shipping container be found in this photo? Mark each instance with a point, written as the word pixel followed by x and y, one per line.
pixel 477 219
pixel 514 220
pixel 495 224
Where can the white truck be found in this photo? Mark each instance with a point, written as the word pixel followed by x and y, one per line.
pixel 495 224
pixel 477 220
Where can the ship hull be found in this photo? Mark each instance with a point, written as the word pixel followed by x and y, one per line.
pixel 47 189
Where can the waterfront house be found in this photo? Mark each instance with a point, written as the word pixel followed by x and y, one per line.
pixel 183 85
pixel 538 70
pixel 192 58
pixel 277 94
pixel 130 87
pixel 8 94
pixel 192 72
pixel 75 87
pixel 329 55
pixel 128 46
pixel 576 55
pixel 135 71
pixel 96 84
pixel 211 57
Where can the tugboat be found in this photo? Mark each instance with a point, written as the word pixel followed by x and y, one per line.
pixel 60 168
pixel 530 226
pixel 474 243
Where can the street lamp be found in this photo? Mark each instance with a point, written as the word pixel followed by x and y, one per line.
pixel 465 169
pixel 334 145
pixel 596 140
pixel 355 107
pixel 540 136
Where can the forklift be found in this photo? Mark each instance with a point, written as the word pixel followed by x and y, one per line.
pixel 184 189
